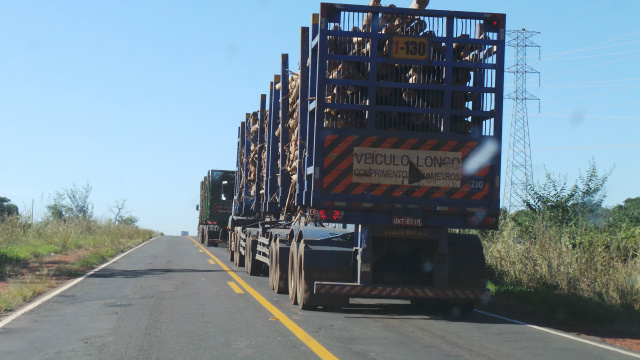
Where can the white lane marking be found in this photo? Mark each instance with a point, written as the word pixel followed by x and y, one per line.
pixel 56 292
pixel 607 347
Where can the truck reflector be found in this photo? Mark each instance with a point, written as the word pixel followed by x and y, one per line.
pixel 328 215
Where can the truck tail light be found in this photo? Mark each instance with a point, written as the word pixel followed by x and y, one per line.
pixel 493 23
pixel 328 215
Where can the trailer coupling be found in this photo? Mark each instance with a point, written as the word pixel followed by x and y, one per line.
pixel 402 292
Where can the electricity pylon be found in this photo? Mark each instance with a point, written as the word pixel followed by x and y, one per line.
pixel 519 174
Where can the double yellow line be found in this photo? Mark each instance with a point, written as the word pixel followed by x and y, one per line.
pixel 310 342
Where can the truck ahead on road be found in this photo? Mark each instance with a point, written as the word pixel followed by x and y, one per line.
pixel 216 199
pixel 358 171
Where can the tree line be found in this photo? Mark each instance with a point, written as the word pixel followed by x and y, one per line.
pixel 73 203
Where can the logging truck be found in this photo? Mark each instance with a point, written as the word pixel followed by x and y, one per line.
pixel 360 170
pixel 216 198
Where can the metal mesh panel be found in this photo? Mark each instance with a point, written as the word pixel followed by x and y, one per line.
pixel 408 70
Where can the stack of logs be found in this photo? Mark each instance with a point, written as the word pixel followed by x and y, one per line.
pixel 252 126
pixel 263 154
pixel 405 25
pixel 291 147
pixel 291 142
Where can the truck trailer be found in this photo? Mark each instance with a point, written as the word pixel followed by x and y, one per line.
pixel 216 199
pixel 360 171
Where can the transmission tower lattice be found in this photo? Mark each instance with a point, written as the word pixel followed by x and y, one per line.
pixel 519 175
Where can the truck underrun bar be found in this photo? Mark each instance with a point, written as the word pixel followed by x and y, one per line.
pixel 400 292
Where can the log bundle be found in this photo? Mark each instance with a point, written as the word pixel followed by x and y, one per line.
pixel 263 155
pixel 291 147
pixel 252 134
pixel 357 50
pixel 427 73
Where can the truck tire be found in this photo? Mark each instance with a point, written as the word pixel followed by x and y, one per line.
pixel 253 265
pixel 230 248
pixel 305 284
pixel 467 267
pixel 272 265
pixel 211 234
pixel 281 282
pixel 423 305
pixel 247 256
pixel 235 248
pixel 240 256
pixel 292 275
pixel 463 309
pixel 235 251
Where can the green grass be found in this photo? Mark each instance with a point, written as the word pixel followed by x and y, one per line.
pixel 23 243
pixel 19 292
pixel 95 258
pixel 577 271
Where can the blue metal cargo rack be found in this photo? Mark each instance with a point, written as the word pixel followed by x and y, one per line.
pixel 432 84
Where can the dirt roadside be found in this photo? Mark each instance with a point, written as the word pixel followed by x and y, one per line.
pixel 526 313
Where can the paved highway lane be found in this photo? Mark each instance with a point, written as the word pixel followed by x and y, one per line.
pixel 166 300
pixel 161 301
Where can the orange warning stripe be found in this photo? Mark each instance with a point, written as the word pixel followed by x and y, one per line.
pixel 338 167
pixel 338 150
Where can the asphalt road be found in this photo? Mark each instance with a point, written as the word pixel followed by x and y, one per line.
pixel 167 300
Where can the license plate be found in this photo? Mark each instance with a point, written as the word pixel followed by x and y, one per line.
pixel 406 221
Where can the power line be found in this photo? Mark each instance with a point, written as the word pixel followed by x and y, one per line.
pixel 584 147
pixel 555 86
pixel 543 115
pixel 592 66
pixel 593 56
pixel 593 46
pixel 605 106
pixel 595 82
pixel 593 94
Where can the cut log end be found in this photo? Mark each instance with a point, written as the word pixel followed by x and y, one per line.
pixel 419 4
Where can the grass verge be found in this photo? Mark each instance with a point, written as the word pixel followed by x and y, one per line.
pixel 568 312
pixel 35 257
pixel 575 272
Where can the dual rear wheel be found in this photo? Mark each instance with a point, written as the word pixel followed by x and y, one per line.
pixel 300 284
pixel 304 283
pixel 238 257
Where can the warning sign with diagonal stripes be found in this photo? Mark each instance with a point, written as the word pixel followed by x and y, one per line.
pixel 401 167
pixel 406 167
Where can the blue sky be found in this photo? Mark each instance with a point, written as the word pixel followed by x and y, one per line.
pixel 140 98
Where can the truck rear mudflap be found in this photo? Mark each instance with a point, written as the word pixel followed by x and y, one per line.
pixel 455 295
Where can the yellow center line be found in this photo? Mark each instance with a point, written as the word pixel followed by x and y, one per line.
pixel 235 287
pixel 212 262
pixel 311 343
